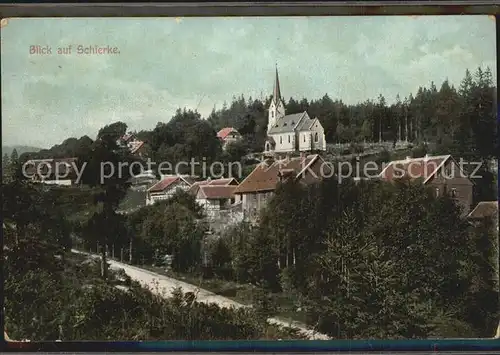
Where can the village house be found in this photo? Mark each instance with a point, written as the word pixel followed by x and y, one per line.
pixel 258 187
pixel 291 133
pixel 167 187
pixel 228 135
pixel 136 147
pixel 52 171
pixel 221 206
pixel 442 173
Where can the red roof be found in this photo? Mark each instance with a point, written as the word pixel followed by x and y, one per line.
pixel 223 133
pixel 414 168
pixel 168 181
pixel 217 192
pixel 218 182
pixel 135 146
pixel 266 177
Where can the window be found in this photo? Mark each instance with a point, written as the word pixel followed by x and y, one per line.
pixel 289 138
pixel 304 137
pixel 454 192
pixel 316 137
pixel 272 114
pixel 281 140
pixel 437 191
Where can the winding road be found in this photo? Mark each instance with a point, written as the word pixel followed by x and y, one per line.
pixel 164 286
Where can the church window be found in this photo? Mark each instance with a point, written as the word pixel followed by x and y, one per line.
pixel 289 139
pixel 316 137
pixel 304 137
pixel 272 114
pixel 281 140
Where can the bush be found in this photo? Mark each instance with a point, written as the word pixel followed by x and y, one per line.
pixel 419 151
pixel 357 148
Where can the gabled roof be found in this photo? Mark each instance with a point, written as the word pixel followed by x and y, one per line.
pixel 217 182
pixel 216 192
pixel 169 180
pixel 286 123
pixel 135 146
pixel 414 168
pixel 484 209
pixel 223 133
pixel 266 177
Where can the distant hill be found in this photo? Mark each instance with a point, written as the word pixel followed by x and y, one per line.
pixel 20 149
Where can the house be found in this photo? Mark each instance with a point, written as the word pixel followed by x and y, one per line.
pixel 136 147
pixel 214 198
pixel 207 197
pixel 228 135
pixel 442 173
pixel 291 133
pixel 52 171
pixel 258 187
pixel 167 187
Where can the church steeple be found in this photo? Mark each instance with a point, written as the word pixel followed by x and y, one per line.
pixel 277 92
pixel 276 108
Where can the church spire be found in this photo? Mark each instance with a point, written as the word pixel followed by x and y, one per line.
pixel 277 92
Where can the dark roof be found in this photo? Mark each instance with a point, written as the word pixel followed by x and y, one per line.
pixel 286 123
pixel 266 177
pixel 217 182
pixel 167 181
pixel 414 168
pixel 485 209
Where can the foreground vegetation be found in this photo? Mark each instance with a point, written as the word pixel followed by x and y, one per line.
pixel 52 294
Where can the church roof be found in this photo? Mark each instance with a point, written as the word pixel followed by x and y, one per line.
pixel 287 123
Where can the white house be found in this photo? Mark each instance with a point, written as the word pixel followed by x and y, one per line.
pixel 292 133
pixel 167 187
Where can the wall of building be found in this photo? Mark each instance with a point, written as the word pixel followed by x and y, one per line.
pixel 305 143
pixel 285 142
pixel 462 185
pixel 252 203
pixel 320 144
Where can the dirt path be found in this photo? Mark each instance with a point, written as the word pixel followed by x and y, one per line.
pixel 164 285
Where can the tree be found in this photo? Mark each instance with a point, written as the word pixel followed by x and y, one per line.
pixel 113 131
pixel 108 170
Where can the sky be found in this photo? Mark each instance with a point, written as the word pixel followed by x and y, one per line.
pixel 200 63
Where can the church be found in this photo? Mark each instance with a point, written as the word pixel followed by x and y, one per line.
pixel 291 133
